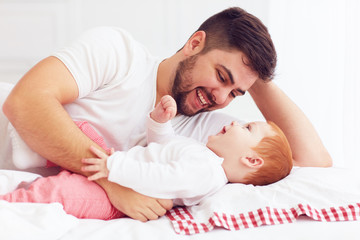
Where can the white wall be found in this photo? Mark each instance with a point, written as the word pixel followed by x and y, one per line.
pixel 32 29
pixel 317 44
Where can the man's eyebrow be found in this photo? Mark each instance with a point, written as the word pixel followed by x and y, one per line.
pixel 231 77
pixel 242 92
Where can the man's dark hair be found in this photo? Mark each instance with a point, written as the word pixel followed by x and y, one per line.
pixel 234 28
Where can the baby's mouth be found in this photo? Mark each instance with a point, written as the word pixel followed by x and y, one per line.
pixel 222 131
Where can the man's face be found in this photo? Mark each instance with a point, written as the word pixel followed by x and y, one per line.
pixel 210 81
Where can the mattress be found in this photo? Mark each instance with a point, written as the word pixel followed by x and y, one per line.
pixel 325 203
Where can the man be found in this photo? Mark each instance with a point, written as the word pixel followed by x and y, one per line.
pixel 109 80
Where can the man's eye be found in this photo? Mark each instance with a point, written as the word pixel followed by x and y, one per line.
pixel 221 77
pixel 233 94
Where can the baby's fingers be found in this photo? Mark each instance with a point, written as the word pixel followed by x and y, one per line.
pixel 171 112
pixel 91 168
pixel 168 102
pixel 92 160
pixel 170 109
pixel 166 98
pixel 98 153
pixel 112 151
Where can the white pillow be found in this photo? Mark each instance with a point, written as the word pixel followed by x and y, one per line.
pixel 11 179
pixel 323 194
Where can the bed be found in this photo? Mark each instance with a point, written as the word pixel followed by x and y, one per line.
pixel 311 203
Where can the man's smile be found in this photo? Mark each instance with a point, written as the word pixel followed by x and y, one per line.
pixel 201 98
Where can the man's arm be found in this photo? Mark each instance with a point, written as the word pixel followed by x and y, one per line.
pixel 35 109
pixel 133 204
pixel 275 105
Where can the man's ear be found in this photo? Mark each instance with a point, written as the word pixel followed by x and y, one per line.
pixel 252 162
pixel 195 44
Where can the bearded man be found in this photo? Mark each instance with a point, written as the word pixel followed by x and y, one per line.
pixel 109 80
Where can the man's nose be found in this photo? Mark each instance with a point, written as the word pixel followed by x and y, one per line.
pixel 220 95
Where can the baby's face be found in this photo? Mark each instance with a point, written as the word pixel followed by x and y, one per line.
pixel 238 139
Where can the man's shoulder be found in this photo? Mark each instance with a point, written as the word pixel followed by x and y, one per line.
pixel 107 33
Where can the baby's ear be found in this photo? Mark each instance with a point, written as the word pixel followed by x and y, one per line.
pixel 253 162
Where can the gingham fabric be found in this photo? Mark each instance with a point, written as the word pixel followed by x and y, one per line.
pixel 184 223
pixel 322 194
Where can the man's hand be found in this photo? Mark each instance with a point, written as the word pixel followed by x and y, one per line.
pixel 133 204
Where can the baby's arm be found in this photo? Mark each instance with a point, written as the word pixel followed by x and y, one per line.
pixel 165 110
pixel 158 125
pixel 97 165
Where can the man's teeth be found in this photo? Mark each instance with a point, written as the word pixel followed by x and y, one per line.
pixel 201 97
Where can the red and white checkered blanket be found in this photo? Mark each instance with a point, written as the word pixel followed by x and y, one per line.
pixel 322 194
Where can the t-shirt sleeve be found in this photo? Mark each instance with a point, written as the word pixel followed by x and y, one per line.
pixel 96 58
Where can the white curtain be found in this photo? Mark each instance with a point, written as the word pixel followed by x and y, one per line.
pixel 352 85
pixel 319 57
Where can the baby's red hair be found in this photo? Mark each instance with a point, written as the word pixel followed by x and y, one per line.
pixel 276 153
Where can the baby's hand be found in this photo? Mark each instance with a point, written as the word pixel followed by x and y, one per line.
pixel 165 110
pixel 97 165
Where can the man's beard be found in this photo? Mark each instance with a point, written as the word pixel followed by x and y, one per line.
pixel 182 86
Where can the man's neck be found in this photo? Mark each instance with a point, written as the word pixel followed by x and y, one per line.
pixel 165 75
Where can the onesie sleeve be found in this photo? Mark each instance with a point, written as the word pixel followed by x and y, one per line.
pixel 97 57
pixel 158 132
pixel 189 175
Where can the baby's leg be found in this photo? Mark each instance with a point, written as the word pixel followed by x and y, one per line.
pixel 80 197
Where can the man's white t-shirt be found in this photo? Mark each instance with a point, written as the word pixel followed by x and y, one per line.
pixel 116 77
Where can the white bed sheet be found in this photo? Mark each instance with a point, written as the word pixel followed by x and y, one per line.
pixel 49 221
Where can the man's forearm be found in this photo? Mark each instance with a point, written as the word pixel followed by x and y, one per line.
pixel 51 133
pixel 133 204
pixel 35 109
pixel 275 105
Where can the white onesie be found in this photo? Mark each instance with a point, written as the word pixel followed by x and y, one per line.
pixel 173 167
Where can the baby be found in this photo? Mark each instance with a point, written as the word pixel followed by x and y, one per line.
pixel 170 167
pixel 182 169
